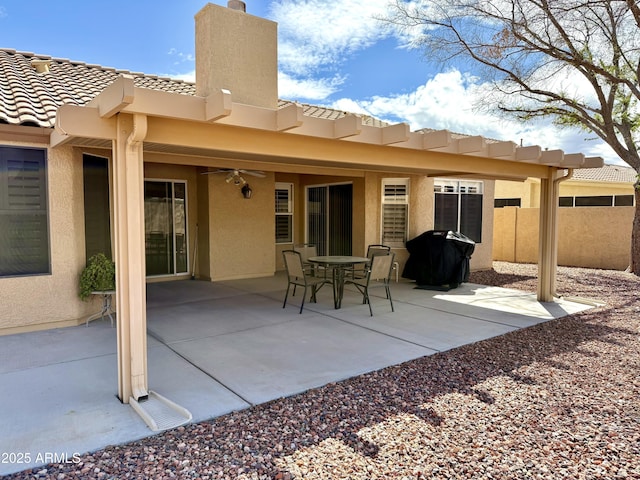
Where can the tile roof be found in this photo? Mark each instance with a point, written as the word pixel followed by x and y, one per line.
pixel 31 98
pixel 607 173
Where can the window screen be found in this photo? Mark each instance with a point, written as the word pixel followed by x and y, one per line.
pixel 24 223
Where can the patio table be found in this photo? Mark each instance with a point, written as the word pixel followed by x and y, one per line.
pixel 107 309
pixel 338 265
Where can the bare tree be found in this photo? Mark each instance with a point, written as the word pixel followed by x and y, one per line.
pixel 575 62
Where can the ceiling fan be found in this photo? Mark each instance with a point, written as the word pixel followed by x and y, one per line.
pixel 235 174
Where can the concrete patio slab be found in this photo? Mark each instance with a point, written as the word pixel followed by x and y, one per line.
pixel 59 345
pixel 434 330
pixel 63 409
pixel 218 347
pixel 212 317
pixel 188 386
pixel 292 357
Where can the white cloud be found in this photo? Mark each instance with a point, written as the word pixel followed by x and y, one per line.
pixel 306 88
pixel 181 57
pixel 317 36
pixel 328 28
pixel 187 77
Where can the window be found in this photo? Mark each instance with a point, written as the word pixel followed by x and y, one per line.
pixel 97 213
pixel 395 211
pixel 598 201
pixel 624 200
pixel 165 225
pixel 24 222
pixel 594 201
pixel 458 207
pixel 330 218
pixel 506 202
pixel 284 213
pixel 565 202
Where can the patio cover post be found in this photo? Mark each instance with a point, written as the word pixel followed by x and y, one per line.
pixel 128 204
pixel 548 241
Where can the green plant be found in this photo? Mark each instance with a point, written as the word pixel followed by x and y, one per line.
pixel 99 275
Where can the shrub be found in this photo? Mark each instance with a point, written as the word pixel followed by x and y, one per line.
pixel 99 275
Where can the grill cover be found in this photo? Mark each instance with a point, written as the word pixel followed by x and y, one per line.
pixel 439 257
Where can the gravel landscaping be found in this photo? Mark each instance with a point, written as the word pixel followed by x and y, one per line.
pixel 557 400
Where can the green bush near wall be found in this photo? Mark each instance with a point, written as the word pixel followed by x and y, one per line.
pixel 99 275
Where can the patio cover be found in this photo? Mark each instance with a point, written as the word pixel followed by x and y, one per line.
pixel 133 121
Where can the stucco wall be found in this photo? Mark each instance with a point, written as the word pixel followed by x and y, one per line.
pixel 241 231
pixel 593 237
pixel 47 301
pixel 482 258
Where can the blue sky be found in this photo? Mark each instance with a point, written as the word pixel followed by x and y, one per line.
pixel 331 52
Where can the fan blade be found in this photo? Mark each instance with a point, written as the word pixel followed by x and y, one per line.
pixel 220 170
pixel 254 173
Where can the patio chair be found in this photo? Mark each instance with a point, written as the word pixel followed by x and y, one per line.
pixel 309 250
pixel 360 271
pixel 298 275
pixel 306 250
pixel 377 274
pixel 383 249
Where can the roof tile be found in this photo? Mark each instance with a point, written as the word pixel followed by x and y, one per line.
pixel 607 173
pixel 30 97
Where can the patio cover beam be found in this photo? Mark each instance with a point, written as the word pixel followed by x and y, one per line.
pixel 548 234
pixel 123 96
pixel 128 225
pixel 255 144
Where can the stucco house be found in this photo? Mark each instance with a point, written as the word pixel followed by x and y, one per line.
pixel 96 159
pixel 607 186
pixel 597 207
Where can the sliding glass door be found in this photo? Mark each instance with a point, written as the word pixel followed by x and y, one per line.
pixel 329 218
pixel 165 218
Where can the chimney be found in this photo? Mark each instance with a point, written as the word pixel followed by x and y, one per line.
pixel 237 5
pixel 237 52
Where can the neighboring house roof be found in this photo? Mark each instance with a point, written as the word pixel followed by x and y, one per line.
pixel 30 98
pixel 607 173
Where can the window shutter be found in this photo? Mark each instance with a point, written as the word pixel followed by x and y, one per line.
pixel 284 213
pixel 282 200
pixel 395 209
